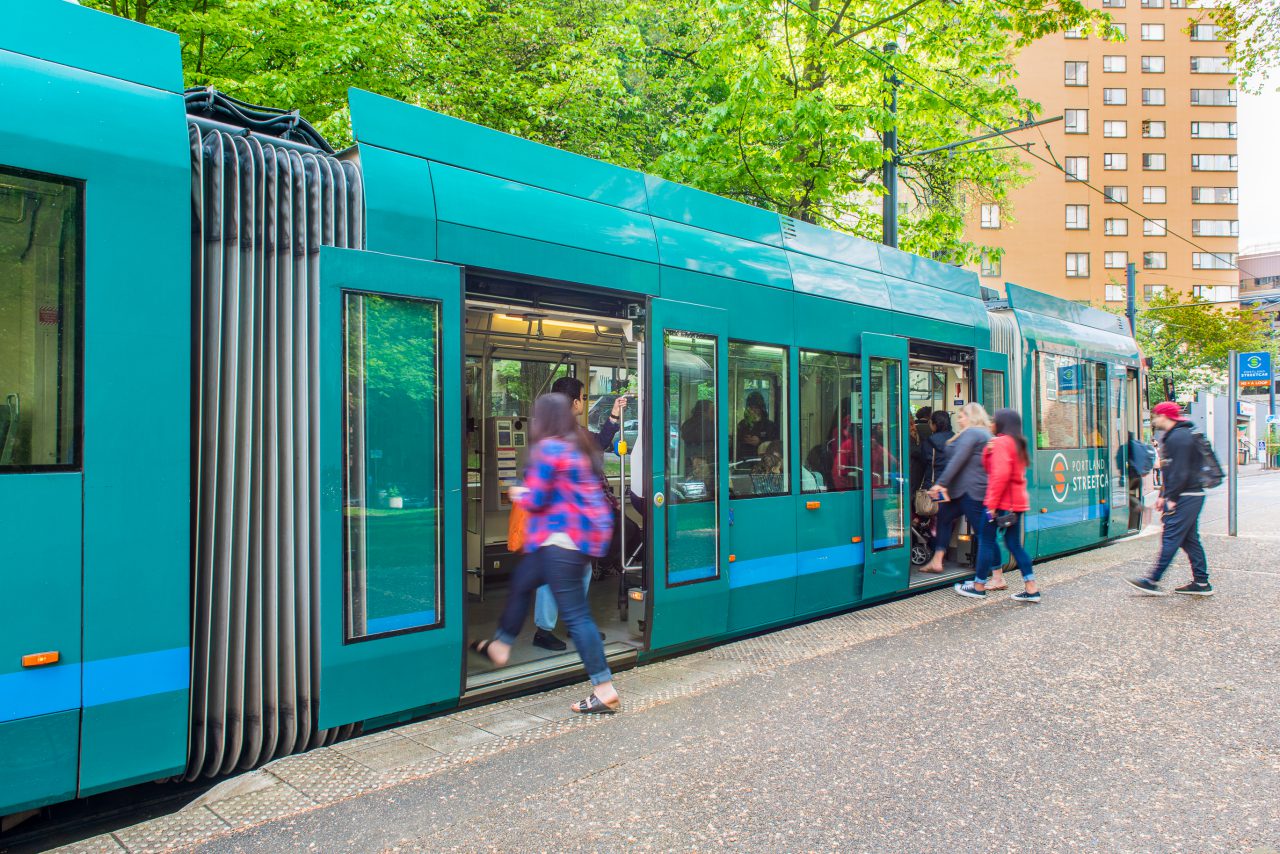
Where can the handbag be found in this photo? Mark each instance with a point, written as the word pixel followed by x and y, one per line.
pixel 926 504
pixel 1005 519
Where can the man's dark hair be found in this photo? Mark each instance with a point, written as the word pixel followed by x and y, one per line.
pixel 570 387
pixel 923 413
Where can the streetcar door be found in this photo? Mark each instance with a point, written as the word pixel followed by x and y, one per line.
pixel 885 464
pixel 991 373
pixel 1117 495
pixel 391 499
pixel 688 494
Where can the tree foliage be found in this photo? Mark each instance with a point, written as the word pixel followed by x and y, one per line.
pixel 778 103
pixel 1253 28
pixel 1191 340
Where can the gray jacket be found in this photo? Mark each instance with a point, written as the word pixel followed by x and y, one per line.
pixel 964 474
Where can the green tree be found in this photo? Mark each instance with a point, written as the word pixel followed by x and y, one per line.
pixel 1190 340
pixel 1253 28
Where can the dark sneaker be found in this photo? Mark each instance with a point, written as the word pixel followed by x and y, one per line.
pixel 1024 596
pixel 1195 589
pixel 1146 585
pixel 546 640
pixel 968 589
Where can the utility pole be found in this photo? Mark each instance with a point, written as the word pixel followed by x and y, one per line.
pixel 1233 445
pixel 890 201
pixel 1131 309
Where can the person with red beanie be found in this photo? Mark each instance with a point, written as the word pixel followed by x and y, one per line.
pixel 1181 500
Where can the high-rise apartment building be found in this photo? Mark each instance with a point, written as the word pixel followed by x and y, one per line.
pixel 1150 122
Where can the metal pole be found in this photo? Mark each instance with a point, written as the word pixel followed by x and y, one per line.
pixel 890 201
pixel 1233 393
pixel 1131 309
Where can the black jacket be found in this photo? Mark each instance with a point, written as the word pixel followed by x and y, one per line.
pixel 1182 465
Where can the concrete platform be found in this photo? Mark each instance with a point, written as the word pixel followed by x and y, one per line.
pixel 1098 721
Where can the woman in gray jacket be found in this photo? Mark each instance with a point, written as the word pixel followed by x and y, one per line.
pixel 962 486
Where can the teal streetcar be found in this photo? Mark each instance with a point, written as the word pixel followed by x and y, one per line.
pixel 260 405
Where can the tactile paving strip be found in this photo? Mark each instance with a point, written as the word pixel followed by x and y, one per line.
pixel 329 775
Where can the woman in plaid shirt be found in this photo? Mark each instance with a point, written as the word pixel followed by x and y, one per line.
pixel 570 522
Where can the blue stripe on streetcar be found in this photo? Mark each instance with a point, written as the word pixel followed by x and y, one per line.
pixel 396 622
pixel 57 687
pixel 696 573
pixel 1065 516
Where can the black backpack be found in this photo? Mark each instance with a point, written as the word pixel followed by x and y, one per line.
pixel 1210 469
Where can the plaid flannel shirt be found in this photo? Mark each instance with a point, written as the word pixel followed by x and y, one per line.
pixel 564 496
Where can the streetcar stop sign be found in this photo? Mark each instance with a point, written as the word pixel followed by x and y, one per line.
pixel 1255 369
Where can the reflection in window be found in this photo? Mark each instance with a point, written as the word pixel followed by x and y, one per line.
pixel 1095 435
pixel 992 390
pixel 758 395
pixel 887 480
pixel 1060 388
pixel 39 321
pixel 830 422
pixel 515 383
pixel 392 489
pixel 692 522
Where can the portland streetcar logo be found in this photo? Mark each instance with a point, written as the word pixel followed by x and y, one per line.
pixel 1254 362
pixel 1058 469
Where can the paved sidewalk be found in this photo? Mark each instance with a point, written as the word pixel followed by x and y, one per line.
pixel 1098 721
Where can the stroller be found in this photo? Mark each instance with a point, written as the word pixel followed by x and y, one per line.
pixel 921 537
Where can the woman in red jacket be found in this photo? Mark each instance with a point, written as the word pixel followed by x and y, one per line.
pixel 1006 459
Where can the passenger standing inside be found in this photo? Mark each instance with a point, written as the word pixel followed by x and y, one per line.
pixel 916 458
pixel 963 483
pixel 924 423
pixel 1181 499
pixel 1005 460
pixel 754 429
pixel 570 522
pixel 545 614
pixel 934 451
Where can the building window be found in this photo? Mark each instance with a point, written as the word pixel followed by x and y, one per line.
pixel 1116 293
pixel 990 264
pixel 1116 128
pixel 1121 30
pixel 1113 4
pixel 1215 227
pixel 1153 162
pixel 1115 97
pixel 1115 260
pixel 1077 265
pixel 758 389
pixel 1155 260
pixel 1115 227
pixel 1150 292
pixel 1153 65
pixel 1115 162
pixel 1215 196
pixel 1216 293
pixel 1153 32
pixel 1155 227
pixel 1153 97
pixel 1077 168
pixel 1214 163
pixel 1116 193
pixel 1076 73
pixel 1211 65
pixel 1077 217
pixel 1153 4
pixel 1213 130
pixel 990 216
pixel 1114 64
pixel 1077 121
pixel 1076 33
pixel 1206 33
pixel 1213 260
pixel 1213 97
pixel 1152 129
pixel 1154 195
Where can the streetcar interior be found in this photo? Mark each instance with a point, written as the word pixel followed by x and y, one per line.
pixel 521 339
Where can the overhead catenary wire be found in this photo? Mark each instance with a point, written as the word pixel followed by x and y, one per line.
pixel 988 125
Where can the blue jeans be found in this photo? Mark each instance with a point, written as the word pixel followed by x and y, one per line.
pixel 989 550
pixel 545 613
pixel 561 570
pixel 1182 531
pixel 973 512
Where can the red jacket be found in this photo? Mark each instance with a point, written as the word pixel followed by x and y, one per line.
pixel 1006 476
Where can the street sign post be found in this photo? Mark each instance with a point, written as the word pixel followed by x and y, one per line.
pixel 1235 367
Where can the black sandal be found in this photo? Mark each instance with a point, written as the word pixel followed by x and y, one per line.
pixel 593 705
pixel 482 647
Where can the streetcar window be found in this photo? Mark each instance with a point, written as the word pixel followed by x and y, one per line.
pixel 758 420
pixel 830 422
pixel 40 286
pixel 1061 389
pixel 1095 434
pixel 692 460
pixel 391 512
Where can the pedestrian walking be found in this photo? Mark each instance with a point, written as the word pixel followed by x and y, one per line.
pixel 962 485
pixel 1005 460
pixel 1180 501
pixel 569 523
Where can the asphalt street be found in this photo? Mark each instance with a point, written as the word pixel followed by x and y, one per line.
pixel 1098 721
